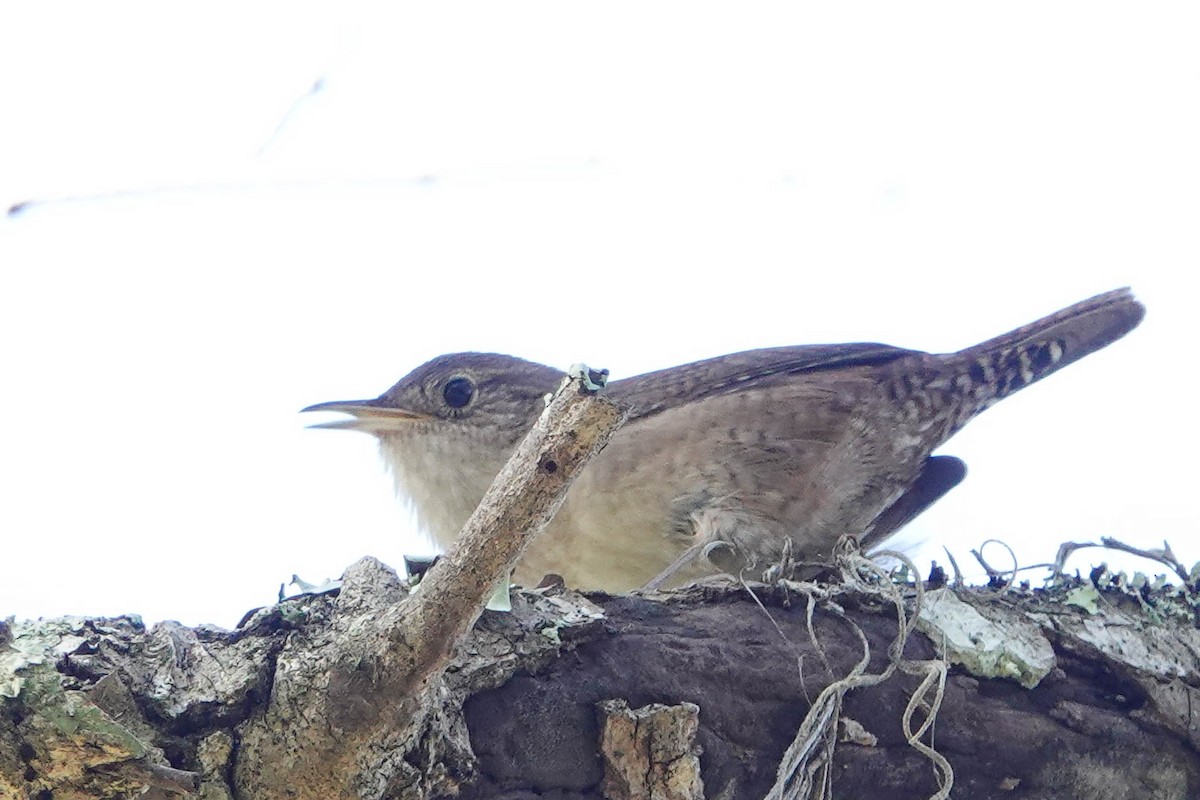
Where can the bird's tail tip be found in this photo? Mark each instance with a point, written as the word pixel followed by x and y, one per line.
pixel 1018 358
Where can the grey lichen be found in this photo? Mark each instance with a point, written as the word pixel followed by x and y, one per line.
pixel 1000 645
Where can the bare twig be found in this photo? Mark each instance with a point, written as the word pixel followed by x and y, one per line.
pixel 167 779
pixel 958 578
pixel 1164 556
pixel 525 495
pixel 992 572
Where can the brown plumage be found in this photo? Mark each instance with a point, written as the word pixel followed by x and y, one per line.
pixel 807 442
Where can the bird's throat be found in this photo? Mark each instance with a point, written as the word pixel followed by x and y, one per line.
pixel 443 474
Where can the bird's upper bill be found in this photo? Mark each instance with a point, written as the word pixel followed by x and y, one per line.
pixel 369 416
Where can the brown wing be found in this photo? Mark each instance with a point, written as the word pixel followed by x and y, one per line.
pixel 654 392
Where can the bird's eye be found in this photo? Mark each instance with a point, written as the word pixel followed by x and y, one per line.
pixel 458 392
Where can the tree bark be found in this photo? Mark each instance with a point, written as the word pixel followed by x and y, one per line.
pixel 1065 704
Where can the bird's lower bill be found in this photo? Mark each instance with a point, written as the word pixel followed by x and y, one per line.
pixel 365 417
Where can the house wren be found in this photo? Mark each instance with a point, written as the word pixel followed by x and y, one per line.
pixel 807 442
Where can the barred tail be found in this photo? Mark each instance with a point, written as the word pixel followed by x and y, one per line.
pixel 998 367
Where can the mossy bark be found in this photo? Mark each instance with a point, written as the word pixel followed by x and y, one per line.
pixel 109 708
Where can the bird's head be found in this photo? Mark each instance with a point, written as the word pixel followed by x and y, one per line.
pixel 472 395
pixel 446 429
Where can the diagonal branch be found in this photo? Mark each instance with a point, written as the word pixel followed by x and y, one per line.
pixel 524 497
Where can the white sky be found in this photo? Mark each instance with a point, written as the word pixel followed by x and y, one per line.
pixel 632 185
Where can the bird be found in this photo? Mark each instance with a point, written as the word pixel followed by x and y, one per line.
pixel 734 457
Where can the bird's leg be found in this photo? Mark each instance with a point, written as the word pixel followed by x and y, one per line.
pixel 684 559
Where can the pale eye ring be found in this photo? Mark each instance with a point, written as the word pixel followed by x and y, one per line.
pixel 459 391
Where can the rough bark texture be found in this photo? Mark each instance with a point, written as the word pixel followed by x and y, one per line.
pixel 107 708
pixel 650 753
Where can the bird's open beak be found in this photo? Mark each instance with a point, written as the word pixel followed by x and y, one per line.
pixel 369 416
